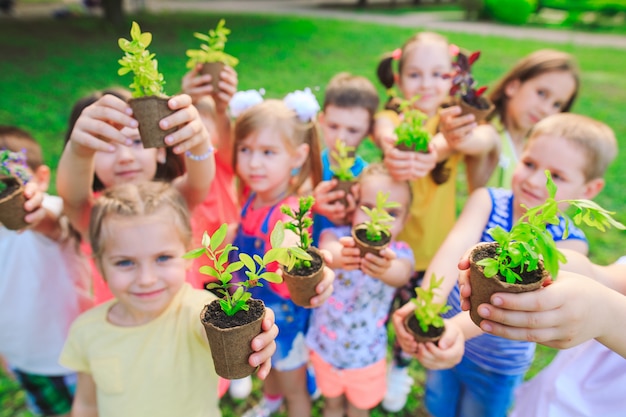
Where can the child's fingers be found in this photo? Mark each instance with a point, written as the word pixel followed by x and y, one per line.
pixel 187 137
pixel 264 369
pixel 179 101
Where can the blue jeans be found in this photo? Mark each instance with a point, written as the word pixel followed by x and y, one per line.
pixel 467 390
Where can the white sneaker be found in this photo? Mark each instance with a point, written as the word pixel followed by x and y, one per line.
pixel 263 409
pixel 240 388
pixel 399 385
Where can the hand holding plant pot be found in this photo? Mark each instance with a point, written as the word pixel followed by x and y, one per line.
pixel 211 54
pixel 523 258
pixel 13 177
pixel 411 133
pixel 149 102
pixel 464 89
pixel 342 161
pixel 373 235
pixel 426 323
pixel 303 265
pixel 234 320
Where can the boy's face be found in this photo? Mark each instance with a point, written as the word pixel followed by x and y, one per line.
pixel 349 124
pixel 398 192
pixel 565 162
pixel 142 264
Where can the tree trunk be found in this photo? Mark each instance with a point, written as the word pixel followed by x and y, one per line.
pixel 113 12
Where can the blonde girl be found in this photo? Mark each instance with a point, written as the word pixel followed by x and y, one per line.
pixel 276 152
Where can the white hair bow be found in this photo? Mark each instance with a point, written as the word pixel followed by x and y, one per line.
pixel 304 103
pixel 243 100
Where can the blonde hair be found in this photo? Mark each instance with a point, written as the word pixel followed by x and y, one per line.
pixel 134 200
pixel 275 115
pixel 379 169
pixel 595 138
pixel 531 66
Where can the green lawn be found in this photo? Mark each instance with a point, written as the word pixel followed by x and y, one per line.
pixel 46 65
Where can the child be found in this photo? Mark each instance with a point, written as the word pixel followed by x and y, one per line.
pixel 576 150
pixel 348 335
pixel 146 352
pixel 104 144
pixel 541 84
pixel 274 140
pixel 350 102
pixel 43 288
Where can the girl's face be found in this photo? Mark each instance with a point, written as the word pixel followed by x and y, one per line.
pixel 537 98
pixel 398 192
pixel 564 161
pixel 265 162
pixel 143 265
pixel 424 67
pixel 128 163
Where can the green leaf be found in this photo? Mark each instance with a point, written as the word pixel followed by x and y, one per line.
pixel 206 240
pixel 247 261
pixel 272 277
pixel 278 235
pixel 209 270
pixel 300 253
pixel 194 253
pixel 234 266
pixel 218 236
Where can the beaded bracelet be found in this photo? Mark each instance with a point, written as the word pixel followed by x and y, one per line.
pixel 202 157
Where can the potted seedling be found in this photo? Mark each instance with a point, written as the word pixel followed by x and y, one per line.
pixel 464 91
pixel 523 258
pixel 232 321
pixel 13 177
pixel 149 102
pixel 342 161
pixel 303 265
pixel 211 53
pixel 374 234
pixel 411 133
pixel 426 324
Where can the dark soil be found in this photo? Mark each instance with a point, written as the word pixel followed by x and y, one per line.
pixel 489 251
pixel 217 317
pixel 432 332
pixel 480 103
pixel 12 185
pixel 316 264
pixel 362 235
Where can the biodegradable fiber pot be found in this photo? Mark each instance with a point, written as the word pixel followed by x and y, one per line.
pixel 345 186
pixel 12 205
pixel 229 340
pixel 480 113
pixel 365 246
pixel 301 284
pixel 214 69
pixel 483 288
pixel 149 111
pixel 432 335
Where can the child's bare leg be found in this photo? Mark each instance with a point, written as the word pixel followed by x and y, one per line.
pixel 271 385
pixel 357 412
pixel 293 387
pixel 335 407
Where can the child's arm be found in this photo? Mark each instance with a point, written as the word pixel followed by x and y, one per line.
pixel 85 402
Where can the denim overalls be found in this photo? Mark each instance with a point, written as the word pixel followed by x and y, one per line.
pixel 292 320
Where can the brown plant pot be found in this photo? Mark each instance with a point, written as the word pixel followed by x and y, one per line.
pixel 480 113
pixel 214 69
pixel 149 111
pixel 301 284
pixel 12 205
pixel 483 288
pixel 432 335
pixel 230 337
pixel 345 186
pixel 366 246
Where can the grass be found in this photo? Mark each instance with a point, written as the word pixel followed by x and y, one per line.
pixel 46 65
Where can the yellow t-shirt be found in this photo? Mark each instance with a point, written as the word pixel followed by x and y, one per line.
pixel 433 211
pixel 161 369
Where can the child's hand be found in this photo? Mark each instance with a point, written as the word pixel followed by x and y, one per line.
pixel 328 205
pixel 191 134
pixel 34 199
pixel 99 126
pixel 325 288
pixel 196 86
pixel 405 339
pixel 449 352
pixel 407 165
pixel 264 345
pixel 350 255
pixel 456 129
pixel 376 266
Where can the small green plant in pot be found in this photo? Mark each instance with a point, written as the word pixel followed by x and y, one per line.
pixel 521 259
pixel 303 264
pixel 13 177
pixel 211 53
pixel 374 234
pixel 342 161
pixel 149 102
pixel 411 133
pixel 426 324
pixel 464 91
pixel 232 321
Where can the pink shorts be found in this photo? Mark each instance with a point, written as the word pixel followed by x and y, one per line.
pixel 364 387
